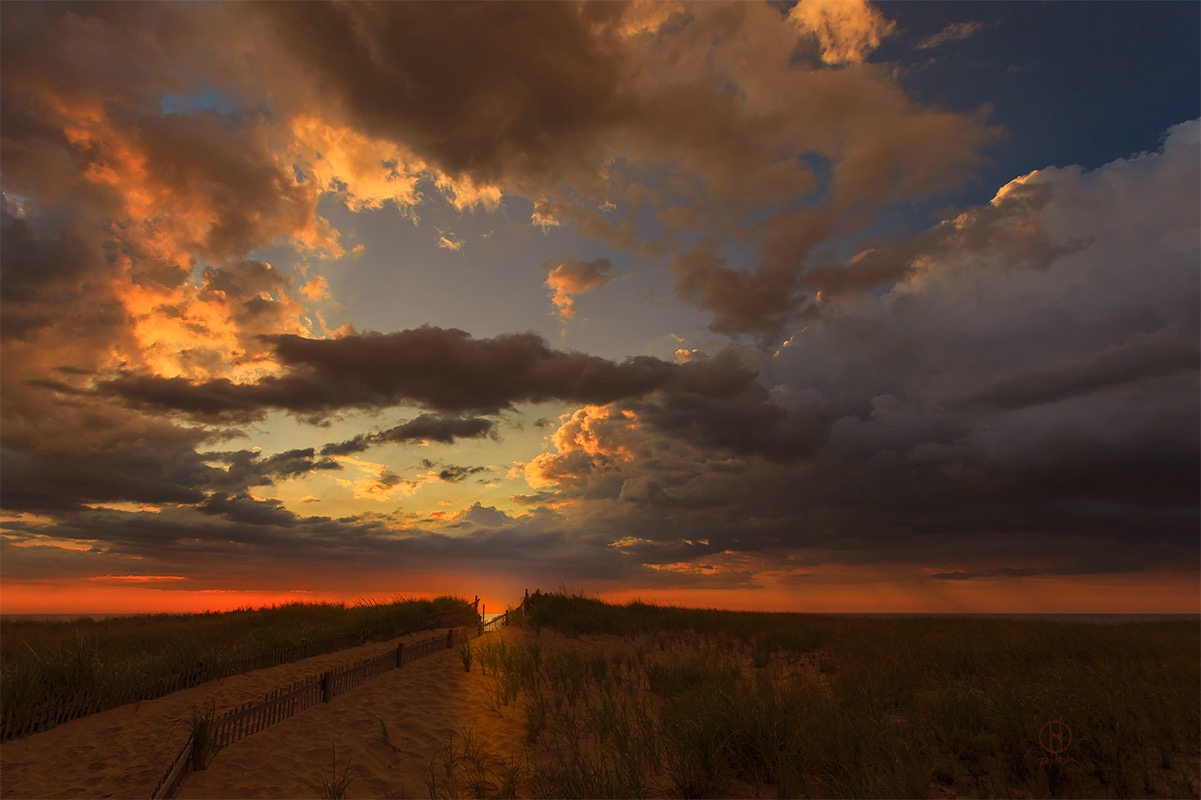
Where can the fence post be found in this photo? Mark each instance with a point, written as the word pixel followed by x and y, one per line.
pixel 304 648
pixel 326 687
pixel 400 655
pixel 483 611
pixel 450 638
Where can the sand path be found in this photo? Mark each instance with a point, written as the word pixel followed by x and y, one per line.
pixel 422 706
pixel 123 752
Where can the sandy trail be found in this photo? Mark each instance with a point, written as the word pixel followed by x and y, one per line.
pixel 123 752
pixel 421 705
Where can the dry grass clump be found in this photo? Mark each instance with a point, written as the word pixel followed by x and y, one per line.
pixel 334 784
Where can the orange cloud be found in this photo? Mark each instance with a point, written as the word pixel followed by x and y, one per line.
pixel 367 172
pixel 447 241
pixel 847 30
pixel 591 439
pixel 576 277
pixel 379 482
pixel 316 289
pixel 135 579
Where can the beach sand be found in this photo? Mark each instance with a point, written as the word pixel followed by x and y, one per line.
pixel 421 705
pixel 123 752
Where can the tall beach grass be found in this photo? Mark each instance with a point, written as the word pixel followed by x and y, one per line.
pixel 708 704
pixel 44 660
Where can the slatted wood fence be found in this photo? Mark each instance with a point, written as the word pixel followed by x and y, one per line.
pixel 278 705
pixel 27 721
pixel 284 702
pixel 168 785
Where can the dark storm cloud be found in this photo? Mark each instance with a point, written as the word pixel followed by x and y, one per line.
pixel 749 424
pixel 742 300
pixel 431 427
pixel 163 467
pixel 272 543
pixel 1142 358
pixel 992 228
pixel 479 89
pixel 247 510
pixel 1023 398
pixel 39 274
pixel 453 473
pixel 248 468
pixel 443 369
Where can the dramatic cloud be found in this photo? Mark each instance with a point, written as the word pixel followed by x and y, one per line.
pixel 591 96
pixel 1050 424
pixel 848 30
pixel 427 427
pixel 572 278
pixel 442 369
pixel 209 208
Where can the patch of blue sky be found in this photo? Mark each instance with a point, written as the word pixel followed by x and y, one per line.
pixel 1062 84
pixel 210 100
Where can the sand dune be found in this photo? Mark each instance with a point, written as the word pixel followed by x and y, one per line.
pixel 124 751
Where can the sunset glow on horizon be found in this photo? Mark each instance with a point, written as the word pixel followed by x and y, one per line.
pixel 824 306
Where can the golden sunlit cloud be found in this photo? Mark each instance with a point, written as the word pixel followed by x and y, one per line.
pixel 27 539
pixel 447 241
pixel 137 578
pixel 848 30
pixel 24 518
pixel 589 439
pixel 465 194
pixel 316 289
pixel 646 17
pixel 380 483
pixel 576 277
pixel 543 216
pixel 366 172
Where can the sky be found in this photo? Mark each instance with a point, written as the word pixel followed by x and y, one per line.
pixel 824 306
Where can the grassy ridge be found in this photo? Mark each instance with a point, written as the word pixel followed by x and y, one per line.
pixel 41 660
pixel 697 704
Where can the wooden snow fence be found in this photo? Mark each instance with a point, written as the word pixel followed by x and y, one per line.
pixel 278 705
pixel 495 622
pixel 168 785
pixel 24 722
pixel 284 702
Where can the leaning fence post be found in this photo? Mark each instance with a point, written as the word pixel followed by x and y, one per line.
pixel 326 687
pixel 483 611
pixel 400 655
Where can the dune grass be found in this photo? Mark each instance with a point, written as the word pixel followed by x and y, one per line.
pixel 41 660
pixel 703 704
pixel 334 784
